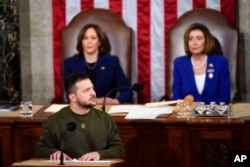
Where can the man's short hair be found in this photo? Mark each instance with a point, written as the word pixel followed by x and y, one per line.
pixel 71 80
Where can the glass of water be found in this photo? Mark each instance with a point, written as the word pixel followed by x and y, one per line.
pixel 183 110
pixel 26 109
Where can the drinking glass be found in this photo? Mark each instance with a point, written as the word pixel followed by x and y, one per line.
pixel 26 109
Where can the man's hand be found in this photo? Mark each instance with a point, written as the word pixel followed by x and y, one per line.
pixel 56 156
pixel 92 156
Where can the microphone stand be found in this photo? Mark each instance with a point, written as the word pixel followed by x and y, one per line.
pixel 71 126
pixel 135 87
pixel 109 92
pixel 61 155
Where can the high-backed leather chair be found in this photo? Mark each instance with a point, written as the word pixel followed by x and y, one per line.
pixel 220 28
pixel 118 33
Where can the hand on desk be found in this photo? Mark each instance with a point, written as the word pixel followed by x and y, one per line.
pixel 56 156
pixel 92 156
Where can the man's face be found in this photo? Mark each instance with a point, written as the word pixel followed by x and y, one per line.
pixel 85 94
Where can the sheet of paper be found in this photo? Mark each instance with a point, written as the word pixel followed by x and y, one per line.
pixel 124 108
pixel 240 110
pixel 75 160
pixel 149 113
pixel 55 107
pixel 9 107
pixel 140 111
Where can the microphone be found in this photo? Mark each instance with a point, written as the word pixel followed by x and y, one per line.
pixel 71 126
pixel 137 87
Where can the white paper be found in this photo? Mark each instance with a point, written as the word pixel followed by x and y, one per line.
pixel 124 108
pixel 75 160
pixel 55 107
pixel 140 111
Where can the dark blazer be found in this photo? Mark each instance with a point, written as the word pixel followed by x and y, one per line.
pixel 109 75
pixel 217 80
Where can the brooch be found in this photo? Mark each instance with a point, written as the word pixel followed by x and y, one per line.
pixel 82 125
pixel 210 70
pixel 210 75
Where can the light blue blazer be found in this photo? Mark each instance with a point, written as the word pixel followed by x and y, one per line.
pixel 217 80
pixel 109 76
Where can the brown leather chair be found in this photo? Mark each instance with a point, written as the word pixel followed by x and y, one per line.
pixel 219 26
pixel 118 33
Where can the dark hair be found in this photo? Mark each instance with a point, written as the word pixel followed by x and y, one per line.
pixel 209 39
pixel 71 80
pixel 103 48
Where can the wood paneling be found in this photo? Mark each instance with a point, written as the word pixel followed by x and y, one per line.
pixel 5 142
pixel 165 141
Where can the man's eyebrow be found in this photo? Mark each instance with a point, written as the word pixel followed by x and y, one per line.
pixel 87 88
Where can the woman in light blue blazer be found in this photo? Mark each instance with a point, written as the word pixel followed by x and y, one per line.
pixel 103 69
pixel 201 73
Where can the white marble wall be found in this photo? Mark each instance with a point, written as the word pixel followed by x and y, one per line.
pixel 244 49
pixel 36 50
pixel 37 53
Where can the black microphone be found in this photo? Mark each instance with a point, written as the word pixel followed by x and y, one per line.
pixel 71 126
pixel 137 87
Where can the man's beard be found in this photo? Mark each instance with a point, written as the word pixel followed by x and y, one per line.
pixel 86 106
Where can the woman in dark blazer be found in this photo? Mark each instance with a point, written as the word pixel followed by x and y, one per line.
pixel 103 69
pixel 201 73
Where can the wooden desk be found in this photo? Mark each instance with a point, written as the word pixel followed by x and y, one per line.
pixel 46 163
pixel 5 142
pixel 165 141
pixel 7 127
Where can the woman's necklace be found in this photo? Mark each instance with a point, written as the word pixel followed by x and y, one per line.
pixel 91 66
pixel 198 66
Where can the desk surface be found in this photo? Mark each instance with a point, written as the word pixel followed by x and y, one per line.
pixel 47 163
pixel 15 113
pixel 240 110
pixel 240 115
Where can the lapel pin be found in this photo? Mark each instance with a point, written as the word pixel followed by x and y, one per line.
pixel 210 75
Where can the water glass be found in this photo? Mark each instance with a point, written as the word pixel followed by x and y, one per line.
pixel 201 108
pixel 26 109
pixel 183 110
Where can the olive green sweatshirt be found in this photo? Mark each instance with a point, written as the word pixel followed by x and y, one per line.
pixel 95 131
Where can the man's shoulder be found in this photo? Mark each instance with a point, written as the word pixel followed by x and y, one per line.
pixel 57 115
pixel 99 112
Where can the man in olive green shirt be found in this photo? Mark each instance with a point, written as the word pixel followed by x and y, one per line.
pixel 96 134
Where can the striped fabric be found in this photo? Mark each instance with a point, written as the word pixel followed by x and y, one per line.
pixel 150 21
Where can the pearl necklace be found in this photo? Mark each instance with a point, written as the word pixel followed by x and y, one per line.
pixel 198 66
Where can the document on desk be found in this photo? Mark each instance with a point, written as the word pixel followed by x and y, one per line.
pixel 9 107
pixel 140 111
pixel 75 160
pixel 55 107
